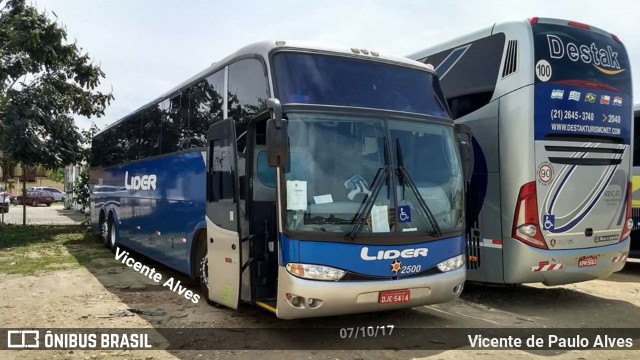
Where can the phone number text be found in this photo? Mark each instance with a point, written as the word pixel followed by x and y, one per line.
pixel 557 114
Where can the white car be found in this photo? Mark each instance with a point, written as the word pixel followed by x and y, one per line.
pixel 57 194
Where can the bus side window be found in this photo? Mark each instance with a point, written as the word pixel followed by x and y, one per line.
pixel 469 82
pixel 247 95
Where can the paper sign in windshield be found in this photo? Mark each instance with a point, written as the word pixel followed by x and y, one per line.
pixel 380 218
pixel 323 199
pixel 296 195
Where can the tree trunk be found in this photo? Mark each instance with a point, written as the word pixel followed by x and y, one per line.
pixel 24 194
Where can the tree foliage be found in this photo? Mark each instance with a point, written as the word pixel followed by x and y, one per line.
pixel 44 81
pixel 80 190
pixel 57 175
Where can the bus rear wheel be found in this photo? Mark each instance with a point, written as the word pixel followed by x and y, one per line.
pixel 112 238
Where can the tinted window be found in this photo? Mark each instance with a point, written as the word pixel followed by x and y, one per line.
pixel 576 54
pixel 151 132
pixel 248 92
pixel 98 150
pixel 334 80
pixel 131 137
pixel 115 152
pixel 469 72
pixel 206 103
pixel 171 126
pixel 221 168
pixel 184 138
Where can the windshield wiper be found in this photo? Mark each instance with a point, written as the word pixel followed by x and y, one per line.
pixel 403 176
pixel 382 176
pixel 368 202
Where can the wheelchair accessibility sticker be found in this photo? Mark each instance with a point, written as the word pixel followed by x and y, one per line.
pixel 549 222
pixel 404 214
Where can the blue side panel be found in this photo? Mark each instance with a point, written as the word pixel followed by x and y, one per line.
pixel 572 110
pixel 350 256
pixel 159 204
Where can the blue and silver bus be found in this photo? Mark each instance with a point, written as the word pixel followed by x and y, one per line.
pixel 307 180
pixel 634 250
pixel 550 105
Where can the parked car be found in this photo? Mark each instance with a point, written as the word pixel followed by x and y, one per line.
pixel 57 194
pixel 5 200
pixel 35 198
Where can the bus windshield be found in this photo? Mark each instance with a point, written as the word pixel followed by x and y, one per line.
pixel 334 162
pixel 334 80
pixel 578 55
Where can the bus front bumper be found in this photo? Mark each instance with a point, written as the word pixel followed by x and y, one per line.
pixel 329 298
pixel 557 267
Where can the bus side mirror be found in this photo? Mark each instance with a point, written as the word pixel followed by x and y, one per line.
pixel 277 136
pixel 465 138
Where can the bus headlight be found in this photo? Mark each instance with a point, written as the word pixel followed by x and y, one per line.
pixel 315 272
pixel 451 264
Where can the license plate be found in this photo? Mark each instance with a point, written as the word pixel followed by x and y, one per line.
pixel 394 297
pixel 585 261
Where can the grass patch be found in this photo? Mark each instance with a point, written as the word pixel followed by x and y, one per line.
pixel 37 248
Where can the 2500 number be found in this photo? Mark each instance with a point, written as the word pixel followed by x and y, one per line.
pixel 410 269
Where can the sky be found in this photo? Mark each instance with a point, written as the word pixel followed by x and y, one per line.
pixel 146 47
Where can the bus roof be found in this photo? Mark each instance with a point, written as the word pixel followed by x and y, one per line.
pixel 486 31
pixel 264 48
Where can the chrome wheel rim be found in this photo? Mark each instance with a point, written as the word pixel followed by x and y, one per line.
pixel 105 230
pixel 112 236
pixel 204 271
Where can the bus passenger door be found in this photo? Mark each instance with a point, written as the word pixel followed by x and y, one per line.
pixel 465 147
pixel 223 239
pixel 464 137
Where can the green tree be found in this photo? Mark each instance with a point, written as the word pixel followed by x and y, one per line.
pixel 57 175
pixel 80 190
pixel 44 81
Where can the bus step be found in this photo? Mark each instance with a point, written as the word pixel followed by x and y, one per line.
pixel 269 305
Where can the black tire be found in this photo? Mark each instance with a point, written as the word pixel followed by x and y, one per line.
pixel 113 236
pixel 48 204
pixel 104 232
pixel 202 262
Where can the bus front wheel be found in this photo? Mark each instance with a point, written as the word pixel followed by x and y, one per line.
pixel 104 232
pixel 203 271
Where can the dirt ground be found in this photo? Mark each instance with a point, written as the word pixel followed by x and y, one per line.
pixel 89 296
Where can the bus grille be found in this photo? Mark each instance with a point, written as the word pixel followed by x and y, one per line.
pixel 511 59
pixel 473 248
pixel 635 214
pixel 474 237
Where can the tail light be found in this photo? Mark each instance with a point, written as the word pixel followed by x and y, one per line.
pixel 628 224
pixel 616 39
pixel 526 223
pixel 579 25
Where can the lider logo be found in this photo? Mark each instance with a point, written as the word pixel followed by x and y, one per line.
pixel 605 60
pixel 144 182
pixel 393 254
